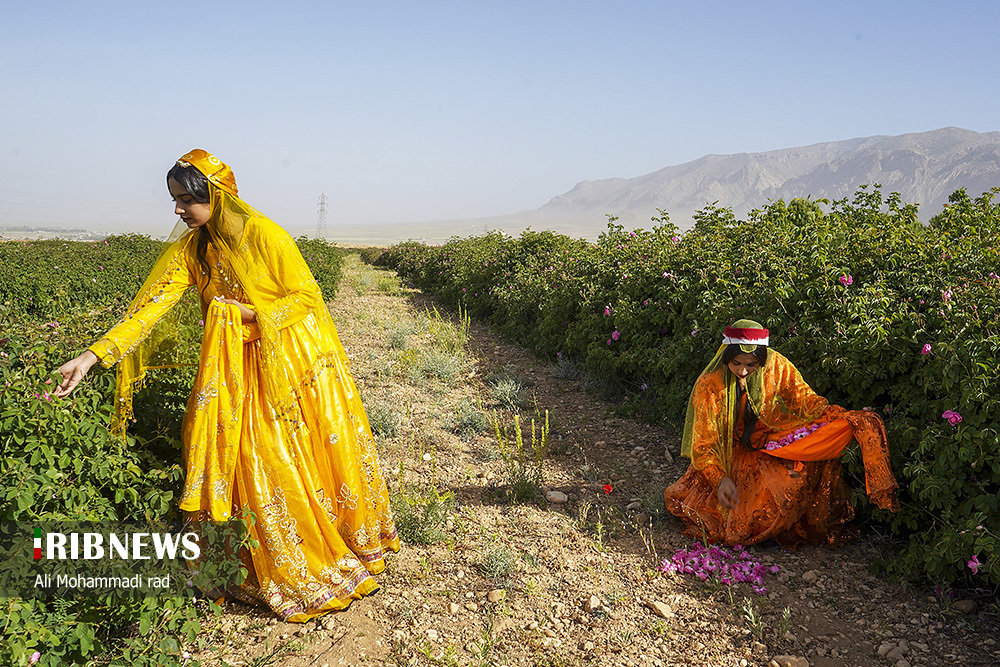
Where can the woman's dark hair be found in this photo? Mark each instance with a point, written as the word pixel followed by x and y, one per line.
pixel 196 185
pixel 749 416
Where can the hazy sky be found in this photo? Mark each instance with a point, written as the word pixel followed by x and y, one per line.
pixel 414 111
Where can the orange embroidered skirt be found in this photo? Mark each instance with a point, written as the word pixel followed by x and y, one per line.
pixel 795 494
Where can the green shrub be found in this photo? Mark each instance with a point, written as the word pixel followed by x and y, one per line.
pixel 522 462
pixel 508 393
pixel 499 564
pixel 434 363
pixel 326 262
pixel 468 420
pixel 59 462
pixel 383 419
pixel 420 513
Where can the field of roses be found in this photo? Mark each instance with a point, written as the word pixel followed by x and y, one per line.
pixel 875 308
pixel 57 458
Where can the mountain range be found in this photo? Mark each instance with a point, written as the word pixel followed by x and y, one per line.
pixel 925 168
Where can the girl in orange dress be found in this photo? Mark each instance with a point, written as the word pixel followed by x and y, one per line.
pixel 274 423
pixel 765 452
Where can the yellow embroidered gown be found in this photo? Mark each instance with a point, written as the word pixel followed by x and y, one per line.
pixel 322 508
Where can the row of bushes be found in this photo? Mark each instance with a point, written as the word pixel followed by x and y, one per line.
pixel 875 308
pixel 59 462
pixel 51 277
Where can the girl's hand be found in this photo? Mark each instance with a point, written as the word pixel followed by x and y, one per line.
pixel 246 313
pixel 727 494
pixel 73 371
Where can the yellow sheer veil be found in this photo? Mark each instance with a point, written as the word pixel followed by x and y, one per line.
pixel 777 393
pixel 251 248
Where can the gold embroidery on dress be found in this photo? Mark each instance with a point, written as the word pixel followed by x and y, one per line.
pixel 347 498
pixel 327 504
pixel 279 531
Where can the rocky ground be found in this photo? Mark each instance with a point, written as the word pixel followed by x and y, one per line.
pixel 569 574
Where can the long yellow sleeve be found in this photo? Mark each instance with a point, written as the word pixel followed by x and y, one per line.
pixel 301 293
pixel 136 325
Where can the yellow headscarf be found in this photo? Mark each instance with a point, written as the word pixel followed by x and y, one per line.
pixel 777 393
pixel 273 276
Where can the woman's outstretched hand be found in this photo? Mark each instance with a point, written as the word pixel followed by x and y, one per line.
pixel 727 493
pixel 73 371
pixel 248 314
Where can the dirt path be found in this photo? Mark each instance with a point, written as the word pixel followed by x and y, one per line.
pixel 569 582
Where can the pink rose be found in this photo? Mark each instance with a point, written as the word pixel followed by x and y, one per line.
pixel 953 417
pixel 926 349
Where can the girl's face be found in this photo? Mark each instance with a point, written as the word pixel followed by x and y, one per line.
pixel 743 365
pixel 193 213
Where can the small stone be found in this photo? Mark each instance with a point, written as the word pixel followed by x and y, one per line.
pixel 427 456
pixel 453 608
pixel 789 637
pixel 496 595
pixel 810 576
pixel 533 625
pixel 614 477
pixel 587 646
pixel 885 648
pixel 790 661
pixel 472 606
pixel 556 497
pixel 302 631
pixel 432 633
pixel 549 632
pixel 965 606
pixel 660 609
pixel 896 653
pixel 398 635
pixel 329 623
pixel 592 604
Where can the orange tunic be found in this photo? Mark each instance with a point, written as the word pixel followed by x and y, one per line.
pixel 796 494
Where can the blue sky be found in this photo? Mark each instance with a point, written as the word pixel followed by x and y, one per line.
pixel 415 111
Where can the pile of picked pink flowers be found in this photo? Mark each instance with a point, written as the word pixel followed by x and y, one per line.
pixel 797 434
pixel 727 566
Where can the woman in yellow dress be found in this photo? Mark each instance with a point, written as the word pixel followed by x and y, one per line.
pixel 274 422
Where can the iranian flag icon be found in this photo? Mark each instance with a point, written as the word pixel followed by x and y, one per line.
pixel 38 543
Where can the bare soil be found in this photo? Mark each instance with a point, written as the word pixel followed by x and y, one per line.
pixel 543 583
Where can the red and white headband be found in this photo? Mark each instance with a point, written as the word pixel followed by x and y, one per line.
pixel 734 336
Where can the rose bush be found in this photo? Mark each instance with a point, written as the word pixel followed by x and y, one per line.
pixel 59 462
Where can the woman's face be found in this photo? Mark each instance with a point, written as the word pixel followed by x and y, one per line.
pixel 193 213
pixel 742 365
